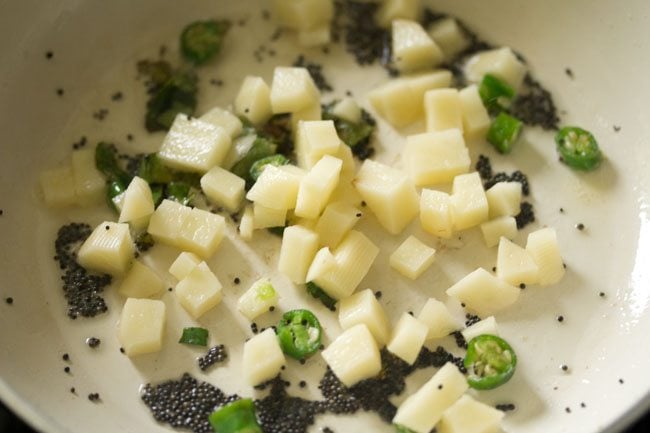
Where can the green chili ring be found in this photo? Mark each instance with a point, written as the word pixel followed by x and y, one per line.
pixel 490 362
pixel 578 148
pixel 299 333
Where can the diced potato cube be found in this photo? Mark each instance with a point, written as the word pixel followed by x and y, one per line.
pixel 303 14
pixel 108 249
pixel 504 199
pixel 317 186
pixel 408 338
pixel 265 217
pixel 311 113
pixel 412 258
pixel 323 263
pixel 482 327
pixel 476 120
pixel 423 409
pixel 545 250
pixel 167 221
pixel 184 264
pixel 347 109
pixel 247 224
pixel 140 282
pixel 515 265
pixel 275 188
pixel 413 49
pixel 199 291
pixel 470 416
pixel 89 183
pixel 254 100
pixel 389 193
pixel 354 256
pixel 335 222
pixel 258 299
pixel 353 356
pixel 263 358
pixel 435 213
pixel 436 157
pixel 194 145
pixel 225 119
pixel 314 140
pixel 202 233
pixel 364 308
pixel 292 90
pixel 315 37
pixel 223 188
pixel 500 62
pixel 142 324
pixel 469 206
pixel 58 187
pixel 483 293
pixel 299 246
pixel 394 9
pixel 438 319
pixel 449 36
pixel 137 204
pixel 443 110
pixel 493 230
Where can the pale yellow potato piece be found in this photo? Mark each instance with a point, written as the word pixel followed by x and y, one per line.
pixel 315 37
pixel 263 358
pixel 223 188
pixel 137 204
pixel 412 258
pixel 167 221
pixel 247 224
pixel 493 230
pixel 299 246
pixel 469 206
pixel 347 109
pixel 408 338
pixel 276 188
pixel 254 100
pixel 436 157
pixel 265 217
pixel 435 213
pixel 515 265
pixel 353 356
pixel 292 89
pixel 545 250
pixel 199 291
pixel 225 119
pixel 364 308
pixel 58 187
pixel 184 264
pixel 313 112
pixel 483 293
pixel 389 193
pixel 450 37
pixel 109 249
pixel 438 319
pixel 504 199
pixel 470 416
pixel 89 183
pixel 201 233
pixel 315 139
pixel 303 14
pixel 394 9
pixel 258 299
pixel 194 145
pixel 141 327
pixel 413 48
pixel 476 120
pixel 482 327
pixel 140 282
pixel 336 221
pixel 316 187
pixel 323 263
pixel 500 62
pixel 442 110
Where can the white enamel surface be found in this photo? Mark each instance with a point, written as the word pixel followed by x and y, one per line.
pixel 96 47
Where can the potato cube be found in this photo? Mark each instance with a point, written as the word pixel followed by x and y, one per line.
pixel 347 109
pixel 183 265
pixel 436 157
pixel 202 233
pixel 438 319
pixel 315 37
pixel 363 307
pixel 311 113
pixel 292 90
pixel 504 199
pixel 265 217
pixel 545 250
pixel 450 37
pixel 263 358
pixel 493 230
pixel 389 193
pixel 412 258
pixel 413 48
pixel 142 324
pixel 89 183
pixel 199 291
pixel 354 256
pixel 247 224
pixel 435 213
pixel 258 299
pixel 317 186
pixel 476 120
pixel 482 327
pixel 335 222
pixel 223 188
pixel 314 140
pixel 137 204
pixel 302 14
pixel 58 187
pixel 253 101
pixel 442 110
pixel 394 9
pixel 423 409
pixel 483 293
pixel 140 282
pixel 353 356
pixel 194 145
pixel 275 188
pixel 109 249
pixel 500 62
pixel 515 265
pixel 469 206
pixel 408 338
pixel 225 119
pixel 470 416
pixel 167 221
pixel 323 263
pixel 299 246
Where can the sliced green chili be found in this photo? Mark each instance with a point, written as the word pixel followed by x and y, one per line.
pixel 236 417
pixel 153 170
pixel 356 135
pixel 180 192
pixel 261 148
pixel 578 148
pixel 195 336
pixel 402 429
pixel 317 292
pixel 504 132
pixel 259 165
pixel 490 362
pixel 299 333
pixel 495 93
pixel 202 40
